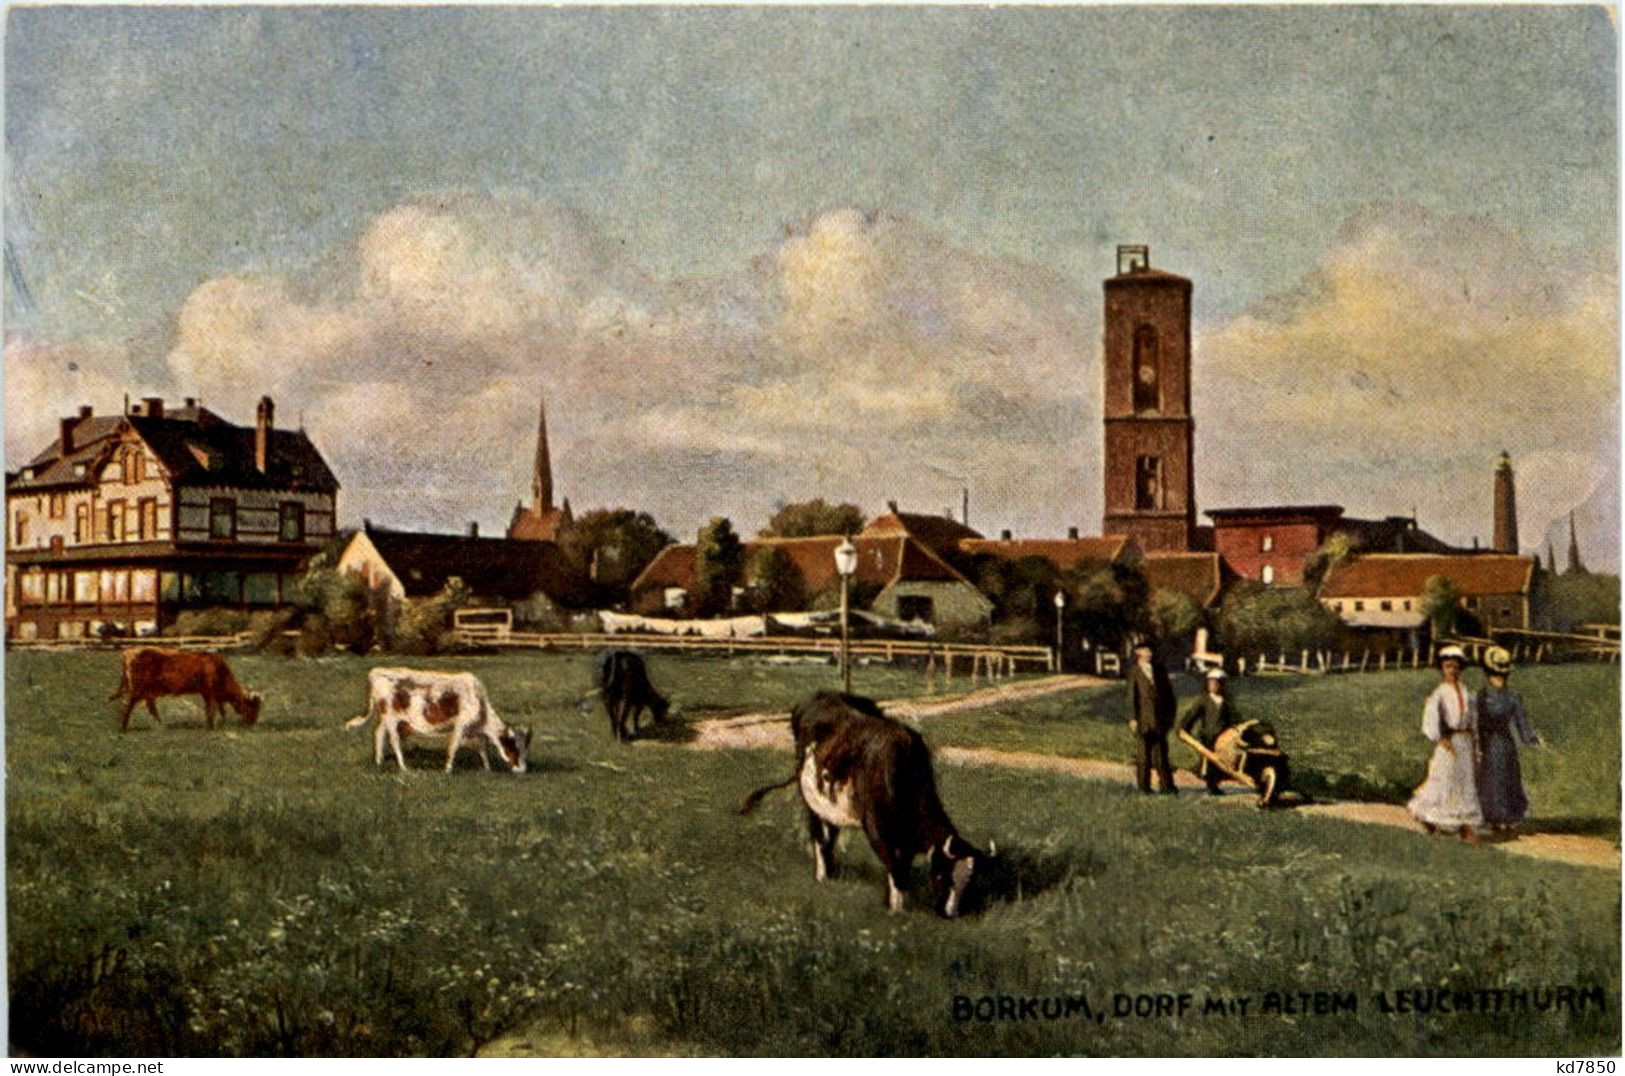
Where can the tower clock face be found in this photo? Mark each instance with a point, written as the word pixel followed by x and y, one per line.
pixel 1148 374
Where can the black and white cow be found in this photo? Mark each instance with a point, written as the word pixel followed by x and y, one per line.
pixel 859 769
pixel 623 681
pixel 438 705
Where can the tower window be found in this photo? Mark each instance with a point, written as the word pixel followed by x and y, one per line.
pixel 1148 484
pixel 1266 543
pixel 1269 573
pixel 1147 370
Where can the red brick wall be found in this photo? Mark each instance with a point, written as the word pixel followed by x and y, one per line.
pixel 1241 545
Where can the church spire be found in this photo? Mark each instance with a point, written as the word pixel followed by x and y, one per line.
pixel 541 482
pixel 1575 567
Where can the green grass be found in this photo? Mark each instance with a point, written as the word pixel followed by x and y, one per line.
pixel 268 891
pixel 1356 736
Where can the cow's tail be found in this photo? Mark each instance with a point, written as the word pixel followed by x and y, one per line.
pixel 357 721
pixel 748 804
pixel 123 683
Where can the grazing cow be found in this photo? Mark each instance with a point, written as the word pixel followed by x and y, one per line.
pixel 437 704
pixel 150 673
pixel 623 680
pixel 860 769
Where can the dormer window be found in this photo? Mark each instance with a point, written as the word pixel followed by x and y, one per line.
pixel 28 474
pixel 79 470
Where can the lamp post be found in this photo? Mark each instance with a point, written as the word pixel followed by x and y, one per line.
pixel 846 563
pixel 1060 609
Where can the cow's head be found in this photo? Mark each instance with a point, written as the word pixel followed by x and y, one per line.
pixel 660 706
pixel 953 863
pixel 250 709
pixel 515 742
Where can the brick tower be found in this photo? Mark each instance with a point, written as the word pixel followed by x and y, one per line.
pixel 1506 508
pixel 1149 463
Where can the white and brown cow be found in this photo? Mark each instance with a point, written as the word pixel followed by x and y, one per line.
pixel 452 706
pixel 859 769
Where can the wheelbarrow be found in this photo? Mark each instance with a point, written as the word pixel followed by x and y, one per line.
pixel 1249 753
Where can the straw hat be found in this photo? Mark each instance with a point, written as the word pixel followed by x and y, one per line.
pixel 1214 673
pixel 1452 653
pixel 1497 660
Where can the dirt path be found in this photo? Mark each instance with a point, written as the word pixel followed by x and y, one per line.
pixel 773 730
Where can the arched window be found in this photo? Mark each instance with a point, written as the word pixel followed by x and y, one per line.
pixel 1269 573
pixel 1148 484
pixel 1147 370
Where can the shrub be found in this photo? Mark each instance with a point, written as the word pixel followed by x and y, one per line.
pixel 209 622
pixel 425 623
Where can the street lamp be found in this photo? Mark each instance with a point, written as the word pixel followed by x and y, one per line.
pixel 846 563
pixel 1060 607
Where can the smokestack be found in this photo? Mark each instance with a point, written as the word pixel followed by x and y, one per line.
pixel 263 416
pixel 964 509
pixel 1072 534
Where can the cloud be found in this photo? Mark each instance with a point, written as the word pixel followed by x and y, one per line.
pixel 1419 348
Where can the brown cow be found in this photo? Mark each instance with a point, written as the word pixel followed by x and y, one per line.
pixel 151 673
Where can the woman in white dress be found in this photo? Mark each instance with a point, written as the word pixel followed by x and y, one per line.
pixel 1447 799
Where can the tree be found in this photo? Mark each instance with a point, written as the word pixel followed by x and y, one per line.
pixel 1319 564
pixel 1108 604
pixel 1259 619
pixel 608 547
pixel 773 582
pixel 1567 601
pixel 1441 604
pixel 806 519
pixel 718 563
pixel 1173 614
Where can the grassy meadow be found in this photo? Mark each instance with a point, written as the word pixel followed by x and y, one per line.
pixel 268 891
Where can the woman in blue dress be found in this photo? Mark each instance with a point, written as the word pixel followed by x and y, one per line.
pixel 1500 715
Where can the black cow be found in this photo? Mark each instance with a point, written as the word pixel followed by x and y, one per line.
pixel 623 681
pixel 860 769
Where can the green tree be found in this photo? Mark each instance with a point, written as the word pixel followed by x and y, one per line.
pixel 806 519
pixel 718 564
pixel 426 623
pixel 608 547
pixel 1108 605
pixel 1319 564
pixel 1441 604
pixel 1259 619
pixel 773 582
pixel 1173 614
pixel 1567 601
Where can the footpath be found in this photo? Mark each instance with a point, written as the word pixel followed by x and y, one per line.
pixel 773 730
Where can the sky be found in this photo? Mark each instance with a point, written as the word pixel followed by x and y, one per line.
pixel 757 255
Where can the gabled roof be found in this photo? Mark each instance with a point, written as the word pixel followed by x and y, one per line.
pixel 941 533
pixel 194 445
pixel 539 525
pixel 1324 514
pixel 491 567
pixel 1200 575
pixel 1392 534
pixel 1065 553
pixel 672 567
pixel 1403 575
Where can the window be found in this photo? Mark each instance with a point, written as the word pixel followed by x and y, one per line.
pixel 115 521
pixel 1407 605
pixel 143 585
pixel 84 587
pixel 33 586
pixel 1147 370
pixel 1359 607
pixel 130 467
pixel 1266 543
pixel 291 522
pixel 147 520
pixel 1148 484
pixel 1268 574
pixel 59 505
pixel 21 529
pixel 1387 606
pixel 81 523
pixel 220 587
pixel 222 518
pixel 259 588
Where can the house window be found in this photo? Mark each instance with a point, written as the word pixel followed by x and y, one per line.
pixel 291 522
pixel 1268 574
pixel 1266 543
pixel 33 586
pixel 1359 607
pixel 915 607
pixel 1387 606
pixel 147 520
pixel 81 523
pixel 130 465
pixel 1407 605
pixel 222 518
pixel 84 587
pixel 115 521
pixel 21 529
pixel 143 586
pixel 59 505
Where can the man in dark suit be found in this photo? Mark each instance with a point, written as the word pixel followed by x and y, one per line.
pixel 1210 715
pixel 1151 702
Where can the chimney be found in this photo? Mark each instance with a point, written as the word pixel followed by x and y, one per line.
pixel 473 528
pixel 155 406
pixel 964 507
pixel 85 411
pixel 1004 536
pixel 1072 534
pixel 67 434
pixel 263 416
pixel 891 506
pixel 191 402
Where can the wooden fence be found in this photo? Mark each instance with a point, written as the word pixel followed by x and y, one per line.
pixel 1526 647
pixel 173 642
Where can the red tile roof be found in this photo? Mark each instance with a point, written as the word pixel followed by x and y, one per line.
pixel 881 561
pixel 1064 553
pixel 942 533
pixel 1201 575
pixel 1389 575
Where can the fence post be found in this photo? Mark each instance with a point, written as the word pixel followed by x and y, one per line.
pixel 1382 661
